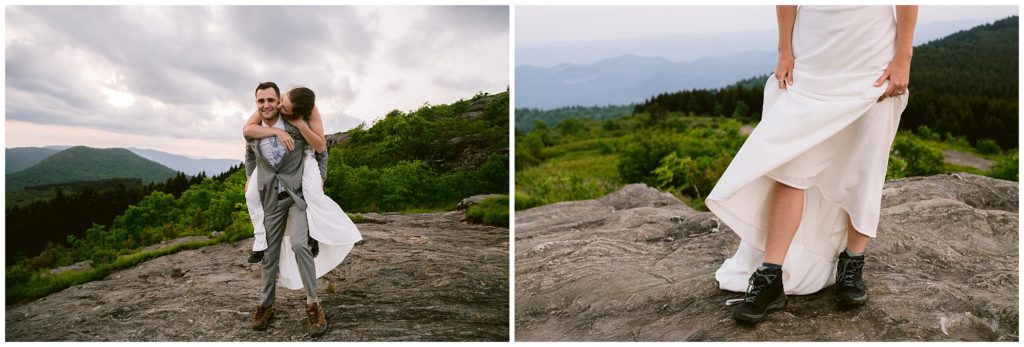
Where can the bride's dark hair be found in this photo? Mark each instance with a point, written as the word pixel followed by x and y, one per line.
pixel 303 100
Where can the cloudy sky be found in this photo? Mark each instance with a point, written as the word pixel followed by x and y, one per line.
pixel 181 79
pixel 551 24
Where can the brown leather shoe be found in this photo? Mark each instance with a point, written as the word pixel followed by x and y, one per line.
pixel 317 324
pixel 261 320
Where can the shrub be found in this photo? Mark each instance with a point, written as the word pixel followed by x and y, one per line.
pixel 988 146
pixel 644 153
pixel 675 174
pixel 896 168
pixel 920 159
pixel 492 211
pixel 529 150
pixel 1007 167
pixel 926 133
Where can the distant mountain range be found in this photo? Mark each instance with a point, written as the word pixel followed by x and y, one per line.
pixel 21 158
pixel 87 164
pixel 190 166
pixel 683 48
pixel 617 72
pixel 630 78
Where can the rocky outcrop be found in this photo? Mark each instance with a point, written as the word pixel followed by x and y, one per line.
pixel 638 265
pixel 414 277
pixel 79 266
pixel 336 138
pixel 475 199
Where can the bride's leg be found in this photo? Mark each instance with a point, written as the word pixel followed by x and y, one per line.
pixel 766 292
pixel 309 188
pixel 787 207
pixel 855 241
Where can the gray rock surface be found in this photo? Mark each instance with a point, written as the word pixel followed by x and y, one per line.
pixel 79 266
pixel 475 199
pixel 414 277
pixel 173 242
pixel 638 265
pixel 336 138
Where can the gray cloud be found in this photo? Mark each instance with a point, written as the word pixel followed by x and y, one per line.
pixel 191 70
pixel 449 28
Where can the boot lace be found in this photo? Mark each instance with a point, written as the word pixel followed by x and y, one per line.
pixel 849 272
pixel 754 286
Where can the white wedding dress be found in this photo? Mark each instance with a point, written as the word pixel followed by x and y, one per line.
pixel 827 135
pixel 328 224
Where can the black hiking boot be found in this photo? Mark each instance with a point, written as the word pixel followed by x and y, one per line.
pixel 314 247
pixel 255 257
pixel 764 295
pixel 850 289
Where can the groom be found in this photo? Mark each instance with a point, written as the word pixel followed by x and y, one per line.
pixel 280 187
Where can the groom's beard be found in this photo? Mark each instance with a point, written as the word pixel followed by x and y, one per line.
pixel 270 116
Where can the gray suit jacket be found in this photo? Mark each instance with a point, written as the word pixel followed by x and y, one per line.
pixel 288 171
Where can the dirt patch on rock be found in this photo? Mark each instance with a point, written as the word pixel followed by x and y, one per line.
pixel 956 157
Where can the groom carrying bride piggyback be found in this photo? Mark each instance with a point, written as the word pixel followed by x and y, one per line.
pixel 284 195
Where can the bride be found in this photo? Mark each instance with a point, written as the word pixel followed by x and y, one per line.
pixel 330 229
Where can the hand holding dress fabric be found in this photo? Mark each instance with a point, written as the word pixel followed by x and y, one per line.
pixel 784 70
pixel 898 74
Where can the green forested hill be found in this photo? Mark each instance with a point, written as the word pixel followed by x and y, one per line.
pixel 87 164
pixel 966 84
pixel 981 61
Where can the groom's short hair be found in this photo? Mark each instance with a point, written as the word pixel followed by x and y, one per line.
pixel 266 85
pixel 303 100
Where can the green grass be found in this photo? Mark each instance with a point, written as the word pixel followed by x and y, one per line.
pixel 41 283
pixel 356 217
pixel 579 175
pixel 950 168
pixel 577 148
pixel 449 206
pixel 492 211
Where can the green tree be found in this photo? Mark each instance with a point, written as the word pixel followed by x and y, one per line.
pixel 741 110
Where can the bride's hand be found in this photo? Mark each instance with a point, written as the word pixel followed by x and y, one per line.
pixel 285 139
pixel 898 74
pixel 297 122
pixel 784 70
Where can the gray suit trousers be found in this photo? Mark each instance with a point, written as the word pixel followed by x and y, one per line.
pixel 275 220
